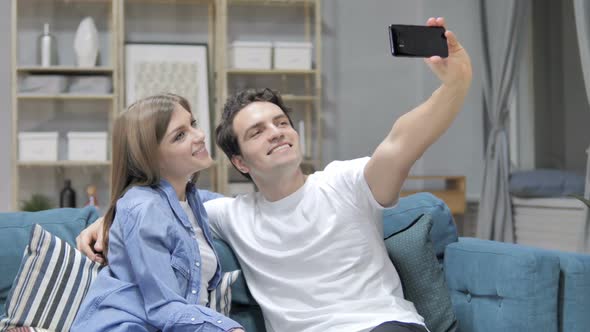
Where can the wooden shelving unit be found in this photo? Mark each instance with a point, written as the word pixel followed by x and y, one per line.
pixel 64 163
pixel 65 96
pixel 40 111
pixel 306 105
pixel 113 25
pixel 64 70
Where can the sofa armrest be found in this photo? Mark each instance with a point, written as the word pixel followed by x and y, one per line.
pixel 502 287
pixel 574 292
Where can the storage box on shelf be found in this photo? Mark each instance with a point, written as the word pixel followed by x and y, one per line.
pixel 87 146
pixel 250 55
pixel 37 146
pixel 290 55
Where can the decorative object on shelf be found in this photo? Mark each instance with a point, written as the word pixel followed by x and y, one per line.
pixel 67 196
pixel 177 68
pixel 92 196
pixel 86 43
pixel 37 202
pixel 47 48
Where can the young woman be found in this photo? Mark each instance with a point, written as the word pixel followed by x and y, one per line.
pixel 158 276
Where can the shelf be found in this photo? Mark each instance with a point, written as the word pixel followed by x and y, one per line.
pixel 70 1
pixel 235 71
pixel 271 2
pixel 65 70
pixel 63 163
pixel 64 96
pixel 175 2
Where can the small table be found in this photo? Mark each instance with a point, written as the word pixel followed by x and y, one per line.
pixel 453 193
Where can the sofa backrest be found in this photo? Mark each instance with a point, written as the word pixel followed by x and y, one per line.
pixel 15 230
pixel 408 209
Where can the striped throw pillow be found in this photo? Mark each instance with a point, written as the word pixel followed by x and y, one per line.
pixel 50 285
pixel 220 297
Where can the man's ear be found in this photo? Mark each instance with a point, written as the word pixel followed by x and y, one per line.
pixel 238 162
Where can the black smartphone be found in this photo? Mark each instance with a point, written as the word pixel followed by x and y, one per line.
pixel 417 41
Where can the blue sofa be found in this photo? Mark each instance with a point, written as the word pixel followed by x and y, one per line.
pixel 494 286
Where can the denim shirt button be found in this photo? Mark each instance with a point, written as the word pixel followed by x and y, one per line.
pixel 194 291
pixel 219 321
pixel 198 264
pixel 193 319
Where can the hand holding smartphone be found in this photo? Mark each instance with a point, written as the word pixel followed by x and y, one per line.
pixel 417 41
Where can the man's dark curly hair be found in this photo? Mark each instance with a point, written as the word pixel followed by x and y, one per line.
pixel 224 133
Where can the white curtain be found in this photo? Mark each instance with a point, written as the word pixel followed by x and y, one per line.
pixel 502 24
pixel 582 15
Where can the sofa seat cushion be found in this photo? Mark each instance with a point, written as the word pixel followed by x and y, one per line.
pixel 498 286
pixel 15 230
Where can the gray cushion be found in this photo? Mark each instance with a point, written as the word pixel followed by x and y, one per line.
pixel 408 209
pixel 413 255
pixel 546 183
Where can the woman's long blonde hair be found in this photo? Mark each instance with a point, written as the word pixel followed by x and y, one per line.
pixel 137 133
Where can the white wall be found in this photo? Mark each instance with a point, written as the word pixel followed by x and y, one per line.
pixel 366 88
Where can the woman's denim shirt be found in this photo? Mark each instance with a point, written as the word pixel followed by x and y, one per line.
pixel 154 269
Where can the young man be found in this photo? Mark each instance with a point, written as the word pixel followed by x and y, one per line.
pixel 311 247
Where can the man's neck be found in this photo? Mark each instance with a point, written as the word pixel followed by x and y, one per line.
pixel 275 188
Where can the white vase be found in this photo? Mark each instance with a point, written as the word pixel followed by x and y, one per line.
pixel 86 43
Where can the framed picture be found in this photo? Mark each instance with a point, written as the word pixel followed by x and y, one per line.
pixel 177 68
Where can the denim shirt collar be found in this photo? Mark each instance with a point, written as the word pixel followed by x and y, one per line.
pixel 201 215
pixel 174 202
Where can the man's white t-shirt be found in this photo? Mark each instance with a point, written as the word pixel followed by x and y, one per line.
pixel 315 260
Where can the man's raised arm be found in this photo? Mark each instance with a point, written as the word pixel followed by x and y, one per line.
pixel 416 130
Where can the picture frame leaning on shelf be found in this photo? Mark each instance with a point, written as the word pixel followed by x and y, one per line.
pixel 152 68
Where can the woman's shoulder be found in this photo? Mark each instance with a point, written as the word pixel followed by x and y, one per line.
pixel 140 198
pixel 144 207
